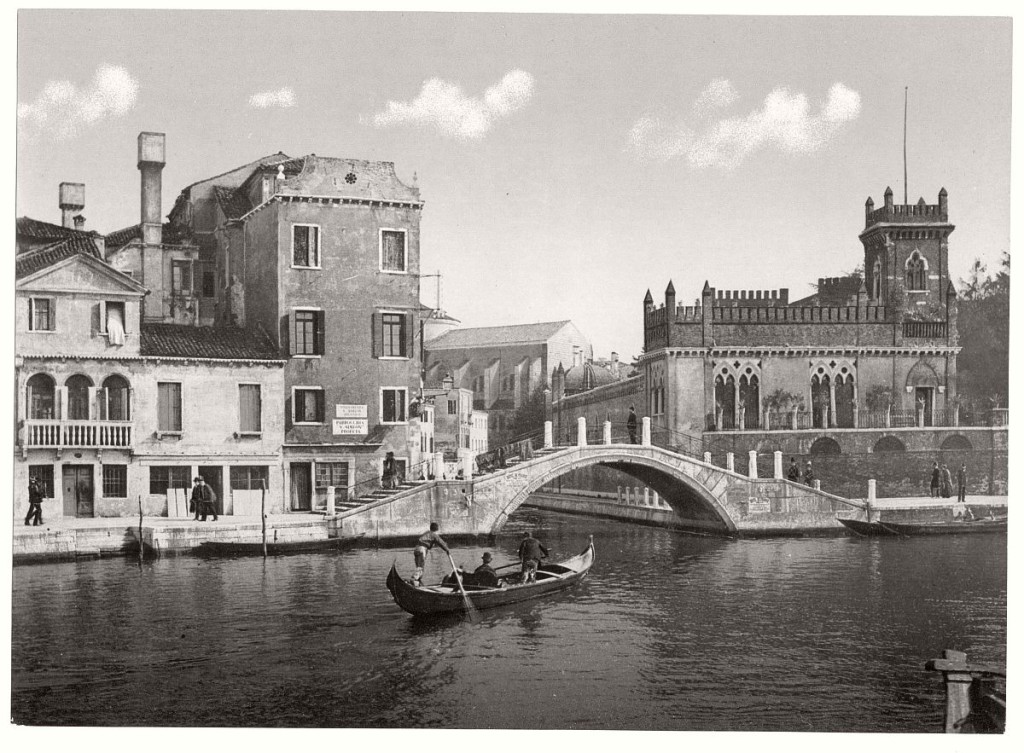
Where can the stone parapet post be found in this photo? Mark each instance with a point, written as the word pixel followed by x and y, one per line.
pixel 548 435
pixel 439 465
pixel 730 462
pixel 777 455
pixel 872 490
pixel 607 432
pixel 645 439
pixel 581 432
pixel 817 484
pixel 468 456
pixel 707 458
pixel 752 464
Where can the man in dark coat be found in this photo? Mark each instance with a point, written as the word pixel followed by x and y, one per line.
pixel 35 502
pixel 531 552
pixel 808 475
pixel 631 425
pixel 485 575
pixel 207 500
pixel 195 503
pixel 961 483
pixel 793 474
pixel 936 479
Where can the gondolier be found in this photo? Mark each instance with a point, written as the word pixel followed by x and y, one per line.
pixel 531 552
pixel 424 544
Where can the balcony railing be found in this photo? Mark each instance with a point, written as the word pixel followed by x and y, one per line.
pixel 59 434
pixel 867 419
pixel 924 329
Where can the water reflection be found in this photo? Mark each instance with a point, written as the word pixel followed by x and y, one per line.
pixel 668 632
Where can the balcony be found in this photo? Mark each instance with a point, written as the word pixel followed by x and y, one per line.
pixel 57 435
pixel 866 419
pixel 935 330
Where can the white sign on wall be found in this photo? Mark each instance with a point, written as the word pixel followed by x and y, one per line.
pixel 349 411
pixel 350 426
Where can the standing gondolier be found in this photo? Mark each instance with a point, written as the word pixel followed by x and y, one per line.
pixel 424 544
pixel 531 552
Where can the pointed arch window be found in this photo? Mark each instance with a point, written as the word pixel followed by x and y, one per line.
pixel 917 272
pixel 876 279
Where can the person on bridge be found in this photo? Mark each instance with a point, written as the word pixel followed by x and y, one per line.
pixel 531 552
pixel 808 475
pixel 424 544
pixel 793 474
pixel 631 425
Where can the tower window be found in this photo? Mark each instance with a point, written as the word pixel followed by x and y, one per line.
pixel 917 272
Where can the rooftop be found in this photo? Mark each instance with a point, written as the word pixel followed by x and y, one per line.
pixel 186 341
pixel 30 262
pixel 513 334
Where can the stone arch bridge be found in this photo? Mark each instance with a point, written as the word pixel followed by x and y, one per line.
pixel 705 497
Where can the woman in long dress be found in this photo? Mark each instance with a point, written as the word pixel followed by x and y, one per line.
pixel 947 482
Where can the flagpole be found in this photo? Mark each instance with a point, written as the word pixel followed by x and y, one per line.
pixel 905 197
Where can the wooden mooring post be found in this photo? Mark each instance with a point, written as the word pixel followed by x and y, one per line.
pixel 142 544
pixel 972 704
pixel 263 514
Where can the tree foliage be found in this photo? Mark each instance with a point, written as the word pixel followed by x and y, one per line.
pixel 529 416
pixel 984 328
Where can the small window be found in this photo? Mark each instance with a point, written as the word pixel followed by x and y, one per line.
pixel 331 474
pixel 40 315
pixel 114 321
pixel 115 481
pixel 249 409
pixel 181 277
pixel 393 405
pixel 392 251
pixel 393 335
pixel 168 406
pixel 453 407
pixel 45 475
pixel 308 405
pixel 307 333
pixel 165 477
pixel 306 246
pixel 248 477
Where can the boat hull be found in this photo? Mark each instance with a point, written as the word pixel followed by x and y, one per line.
pixel 884 528
pixel 273 548
pixel 428 600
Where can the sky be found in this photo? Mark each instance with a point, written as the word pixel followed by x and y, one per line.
pixel 568 163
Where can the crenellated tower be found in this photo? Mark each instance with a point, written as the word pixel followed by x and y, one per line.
pixel 906 251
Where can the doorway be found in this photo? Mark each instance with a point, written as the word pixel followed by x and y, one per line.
pixel 923 399
pixel 78 491
pixel 213 475
pixel 302 486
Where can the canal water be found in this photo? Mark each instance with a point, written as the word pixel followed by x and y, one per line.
pixel 669 632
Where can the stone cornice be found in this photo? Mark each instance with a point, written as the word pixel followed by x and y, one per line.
pixel 801 351
pixel 153 359
pixel 330 201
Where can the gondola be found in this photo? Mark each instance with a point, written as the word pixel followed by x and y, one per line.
pixel 444 597
pixel 886 528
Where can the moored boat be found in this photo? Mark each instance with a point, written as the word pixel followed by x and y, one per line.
pixel 447 597
pixel 959 525
pixel 255 548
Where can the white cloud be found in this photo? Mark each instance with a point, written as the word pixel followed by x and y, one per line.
pixel 283 97
pixel 719 93
pixel 785 121
pixel 445 106
pixel 61 110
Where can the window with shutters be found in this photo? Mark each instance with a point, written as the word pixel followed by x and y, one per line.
pixel 250 409
pixel 181 278
pixel 164 477
pixel 393 402
pixel 393 335
pixel 307 405
pixel 113 399
pixel 168 406
pixel 453 407
pixel 306 246
pixel 307 332
pixel 393 251
pixel 115 481
pixel 40 315
pixel 45 475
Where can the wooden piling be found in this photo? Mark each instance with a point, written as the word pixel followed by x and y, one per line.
pixel 263 514
pixel 142 544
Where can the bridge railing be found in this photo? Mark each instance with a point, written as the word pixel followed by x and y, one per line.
pixel 521 447
pixel 367 485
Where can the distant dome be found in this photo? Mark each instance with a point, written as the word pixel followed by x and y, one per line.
pixel 586 377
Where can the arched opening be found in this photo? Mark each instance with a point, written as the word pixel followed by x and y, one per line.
pixel 889 444
pixel 78 387
pixel 825 446
pixel 750 399
pixel 917 272
pixel 844 400
pixel 876 279
pixel 957 442
pixel 821 400
pixel 114 403
pixel 40 397
pixel 725 401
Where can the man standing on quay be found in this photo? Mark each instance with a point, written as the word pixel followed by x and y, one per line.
pixel 961 483
pixel 35 503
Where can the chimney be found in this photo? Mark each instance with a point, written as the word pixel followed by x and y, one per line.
pixel 79 222
pixel 151 163
pixel 72 200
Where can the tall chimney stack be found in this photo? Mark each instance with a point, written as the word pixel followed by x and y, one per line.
pixel 151 163
pixel 72 201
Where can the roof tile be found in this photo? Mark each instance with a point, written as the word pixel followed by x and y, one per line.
pixel 186 341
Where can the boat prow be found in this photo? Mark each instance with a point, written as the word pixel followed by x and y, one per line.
pixel 442 597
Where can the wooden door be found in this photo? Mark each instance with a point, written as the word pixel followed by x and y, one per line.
pixel 302 486
pixel 78 491
pixel 213 475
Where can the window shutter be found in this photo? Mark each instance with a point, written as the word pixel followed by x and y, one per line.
pixel 289 328
pixel 319 405
pixel 375 333
pixel 320 321
pixel 409 331
pixel 102 306
pixel 31 314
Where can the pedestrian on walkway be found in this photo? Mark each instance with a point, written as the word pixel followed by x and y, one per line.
pixel 947 482
pixel 195 502
pixel 207 504
pixel 808 475
pixel 631 425
pixel 936 479
pixel 35 502
pixel 961 483
pixel 793 474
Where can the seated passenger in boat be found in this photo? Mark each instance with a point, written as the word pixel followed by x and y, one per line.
pixel 485 575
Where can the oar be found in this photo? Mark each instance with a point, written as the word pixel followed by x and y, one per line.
pixel 470 609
